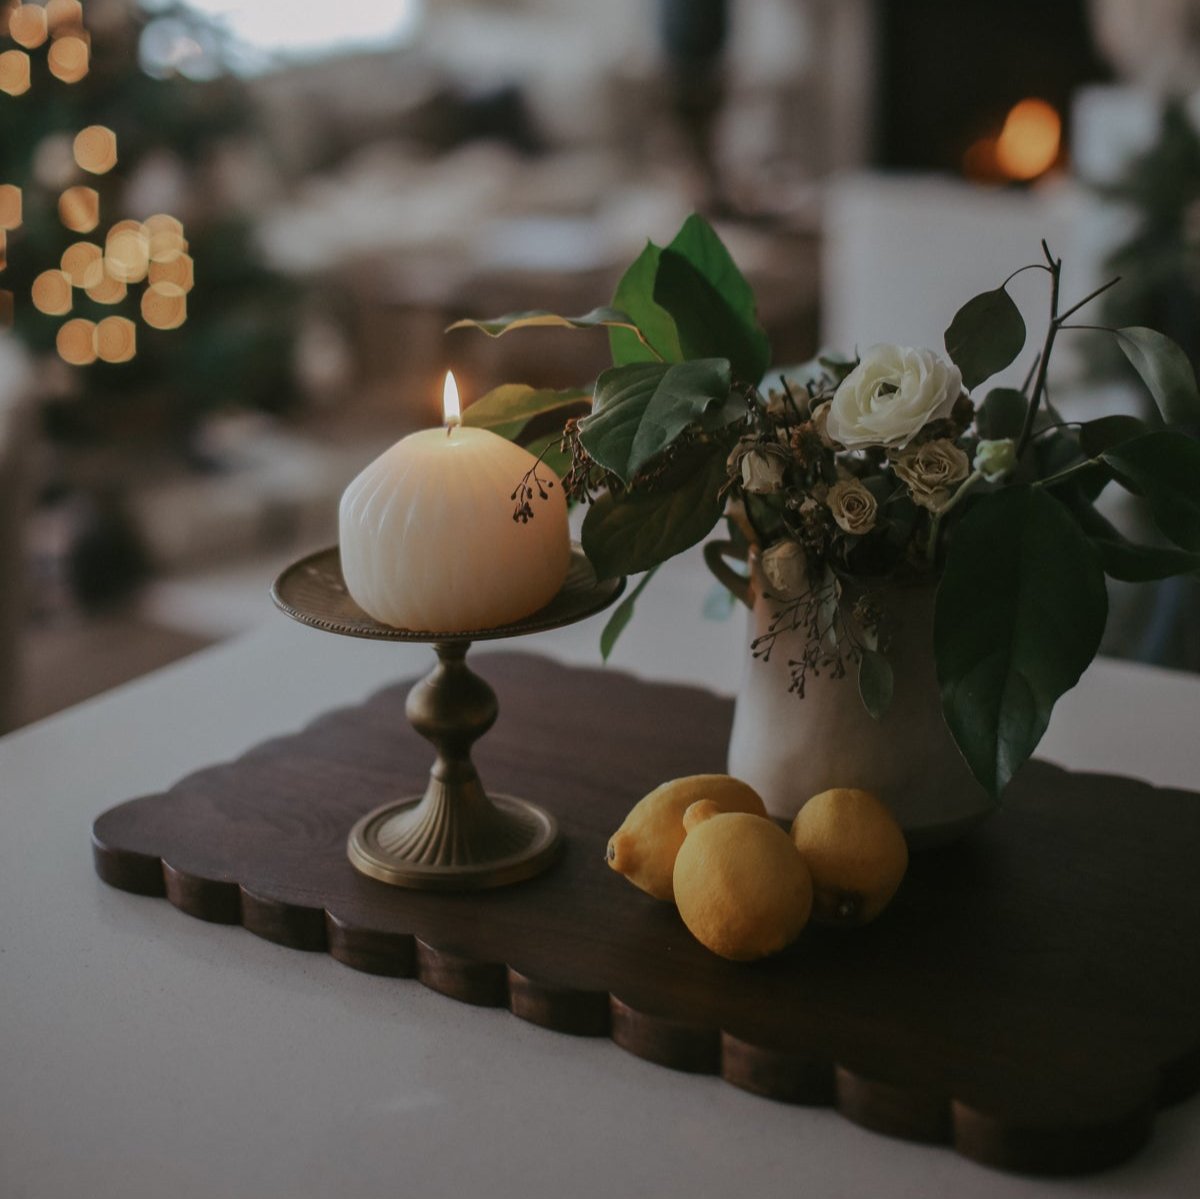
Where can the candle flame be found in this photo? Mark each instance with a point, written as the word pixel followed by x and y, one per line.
pixel 451 406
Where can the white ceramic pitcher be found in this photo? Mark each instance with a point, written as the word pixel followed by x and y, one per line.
pixel 789 748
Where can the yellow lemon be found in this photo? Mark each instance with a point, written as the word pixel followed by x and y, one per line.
pixel 855 851
pixel 742 889
pixel 643 849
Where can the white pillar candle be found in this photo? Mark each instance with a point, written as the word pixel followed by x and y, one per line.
pixel 428 536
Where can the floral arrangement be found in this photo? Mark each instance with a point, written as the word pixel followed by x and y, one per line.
pixel 851 477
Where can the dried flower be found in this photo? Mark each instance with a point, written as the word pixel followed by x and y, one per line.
pixel 931 471
pixel 785 567
pixel 853 506
pixel 761 465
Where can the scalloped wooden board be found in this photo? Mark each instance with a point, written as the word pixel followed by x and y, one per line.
pixel 1030 998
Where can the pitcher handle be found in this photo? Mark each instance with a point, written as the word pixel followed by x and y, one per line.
pixel 716 555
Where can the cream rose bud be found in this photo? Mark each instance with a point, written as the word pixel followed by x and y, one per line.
pixel 783 565
pixel 761 465
pixel 853 506
pixel 994 459
pixel 891 395
pixel 931 471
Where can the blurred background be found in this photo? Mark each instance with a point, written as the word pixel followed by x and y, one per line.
pixel 321 188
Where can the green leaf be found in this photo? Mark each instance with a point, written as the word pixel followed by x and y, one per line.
pixel 1123 559
pixel 1002 414
pixel 622 616
pixel 1133 563
pixel 712 304
pixel 987 333
pixel 710 323
pixel 1020 612
pixel 635 297
pixel 641 408
pixel 1096 436
pixel 875 683
pixel 537 318
pixel 507 409
pixel 1165 370
pixel 638 530
pixel 1165 468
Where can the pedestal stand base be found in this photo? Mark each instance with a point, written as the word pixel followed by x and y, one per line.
pixel 397 844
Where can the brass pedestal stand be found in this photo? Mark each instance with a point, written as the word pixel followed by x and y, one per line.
pixel 455 836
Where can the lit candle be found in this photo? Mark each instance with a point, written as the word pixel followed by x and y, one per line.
pixel 428 536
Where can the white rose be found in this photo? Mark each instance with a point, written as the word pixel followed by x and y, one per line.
pixel 891 395
pixel 786 569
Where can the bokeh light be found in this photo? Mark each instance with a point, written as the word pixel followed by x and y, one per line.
pixel 76 342
pixel 108 291
pixel 10 206
pixel 176 277
pixel 14 72
pixel 68 59
pixel 27 25
pixel 79 209
pixel 127 253
pixel 163 311
pixel 116 339
pixel 83 264
pixel 96 149
pixel 64 17
pixel 51 293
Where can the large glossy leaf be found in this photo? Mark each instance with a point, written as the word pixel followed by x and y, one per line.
pixel 732 316
pixel 635 297
pixel 1124 559
pixel 507 409
pixel 1096 436
pixel 1166 371
pixel 625 534
pixel 621 616
pixel 712 323
pixel 986 335
pixel 1020 611
pixel 1002 414
pixel 1165 468
pixel 641 408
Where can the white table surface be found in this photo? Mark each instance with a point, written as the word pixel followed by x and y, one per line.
pixel 146 1053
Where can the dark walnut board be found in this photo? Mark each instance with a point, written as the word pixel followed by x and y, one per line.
pixel 1030 998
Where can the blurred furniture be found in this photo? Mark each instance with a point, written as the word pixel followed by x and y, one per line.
pixel 15 449
pixel 310 1079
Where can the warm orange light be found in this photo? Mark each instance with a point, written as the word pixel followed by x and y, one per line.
pixel 163 311
pixel 176 277
pixel 83 264
pixel 76 342
pixel 116 339
pixel 451 405
pixel 96 149
pixel 1029 142
pixel 14 72
pixel 27 25
pixel 10 206
pixel 79 209
pixel 64 17
pixel 68 59
pixel 3 250
pixel 107 291
pixel 51 293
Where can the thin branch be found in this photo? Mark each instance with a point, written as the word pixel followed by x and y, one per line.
pixel 1029 266
pixel 1039 385
pixel 1088 299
